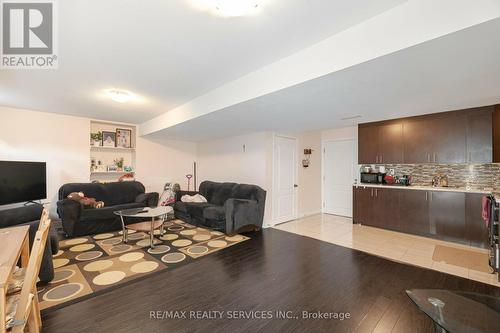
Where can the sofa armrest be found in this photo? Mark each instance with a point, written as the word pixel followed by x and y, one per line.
pixel 19 215
pixel 240 213
pixel 148 199
pixel 179 194
pixel 70 212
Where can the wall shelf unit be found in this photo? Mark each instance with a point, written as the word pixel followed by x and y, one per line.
pixel 103 157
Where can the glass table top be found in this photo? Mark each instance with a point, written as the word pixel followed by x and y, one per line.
pixel 459 311
pixel 145 212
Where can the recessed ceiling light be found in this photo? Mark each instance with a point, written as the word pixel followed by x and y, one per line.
pixel 120 96
pixel 235 8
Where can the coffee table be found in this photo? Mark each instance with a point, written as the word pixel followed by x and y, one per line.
pixel 455 311
pixel 156 214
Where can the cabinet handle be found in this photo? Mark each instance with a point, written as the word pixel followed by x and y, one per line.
pixel 426 196
pixel 372 192
pixel 431 196
pixel 435 155
pixel 470 157
pixel 380 158
pixel 376 192
pixel 428 157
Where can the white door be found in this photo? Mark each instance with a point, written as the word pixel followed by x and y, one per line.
pixel 284 178
pixel 338 176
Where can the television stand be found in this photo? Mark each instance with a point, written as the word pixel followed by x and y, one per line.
pixel 33 202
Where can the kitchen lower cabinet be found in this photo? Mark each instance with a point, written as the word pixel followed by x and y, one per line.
pixel 475 228
pixel 414 212
pixel 447 216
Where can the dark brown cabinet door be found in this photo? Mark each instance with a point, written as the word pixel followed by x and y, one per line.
pixel 496 135
pixel 386 209
pixel 390 143
pixel 475 228
pixel 367 144
pixel 362 204
pixel 418 140
pixel 414 212
pixel 449 139
pixel 479 135
pixel 447 216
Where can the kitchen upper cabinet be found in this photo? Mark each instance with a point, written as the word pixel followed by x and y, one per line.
pixel 475 228
pixel 418 141
pixel 362 204
pixel 447 216
pixel 367 144
pixel 380 143
pixel 496 135
pixel 414 212
pixel 479 135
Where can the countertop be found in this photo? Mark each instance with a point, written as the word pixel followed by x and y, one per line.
pixel 425 188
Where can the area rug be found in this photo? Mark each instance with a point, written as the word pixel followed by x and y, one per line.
pixel 88 266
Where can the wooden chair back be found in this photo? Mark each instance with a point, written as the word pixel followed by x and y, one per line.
pixel 29 286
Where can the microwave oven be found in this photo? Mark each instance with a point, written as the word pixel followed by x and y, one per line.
pixel 372 177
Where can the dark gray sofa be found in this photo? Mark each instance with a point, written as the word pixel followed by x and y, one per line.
pixel 78 221
pixel 231 207
pixel 30 215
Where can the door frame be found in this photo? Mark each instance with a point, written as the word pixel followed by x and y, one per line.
pixel 274 220
pixel 323 152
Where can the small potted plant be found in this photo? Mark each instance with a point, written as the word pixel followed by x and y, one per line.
pixel 119 163
pixel 96 139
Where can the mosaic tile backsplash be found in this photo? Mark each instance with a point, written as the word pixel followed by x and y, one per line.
pixel 471 176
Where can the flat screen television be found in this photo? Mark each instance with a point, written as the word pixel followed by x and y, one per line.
pixel 22 181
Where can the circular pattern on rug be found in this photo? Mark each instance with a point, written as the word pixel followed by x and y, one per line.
pixel 235 238
pixel 173 258
pixel 144 267
pixel 63 292
pixel 130 231
pixel 91 255
pixel 132 256
pixel 201 238
pixel 120 248
pixel 82 247
pixel 157 232
pixel 169 237
pixel 216 233
pixel 139 235
pixel 75 241
pixel 62 275
pixel 58 253
pixel 113 241
pixel 60 262
pixel 188 232
pixel 182 242
pixel 176 228
pixel 98 265
pixel 197 249
pixel 103 236
pixel 147 242
pixel 217 243
pixel 201 229
pixel 159 249
pixel 168 224
pixel 108 278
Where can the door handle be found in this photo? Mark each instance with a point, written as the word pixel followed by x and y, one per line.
pixel 376 159
pixel 295 185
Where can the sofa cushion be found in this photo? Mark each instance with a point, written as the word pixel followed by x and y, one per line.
pixel 217 213
pixel 180 206
pixel 195 209
pixel 216 193
pixel 115 193
pixel 106 213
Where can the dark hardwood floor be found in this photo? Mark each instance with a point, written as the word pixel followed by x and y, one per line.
pixel 274 271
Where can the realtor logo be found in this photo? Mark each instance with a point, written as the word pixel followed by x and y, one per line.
pixel 28 32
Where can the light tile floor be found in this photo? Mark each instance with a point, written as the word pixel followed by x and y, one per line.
pixel 410 249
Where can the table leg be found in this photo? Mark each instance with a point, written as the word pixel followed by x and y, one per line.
pixel 3 308
pixel 162 230
pixel 25 253
pixel 151 236
pixel 124 230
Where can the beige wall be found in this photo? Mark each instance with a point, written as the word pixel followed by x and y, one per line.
pixel 63 142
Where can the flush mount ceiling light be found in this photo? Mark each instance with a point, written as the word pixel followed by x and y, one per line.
pixel 228 8
pixel 235 8
pixel 120 96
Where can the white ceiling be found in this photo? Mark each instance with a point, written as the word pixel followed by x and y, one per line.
pixel 168 52
pixel 456 71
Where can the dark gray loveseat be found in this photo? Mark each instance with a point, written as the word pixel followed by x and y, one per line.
pixel 78 221
pixel 231 207
pixel 30 215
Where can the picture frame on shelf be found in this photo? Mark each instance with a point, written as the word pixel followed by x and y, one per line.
pixel 108 139
pixel 123 138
